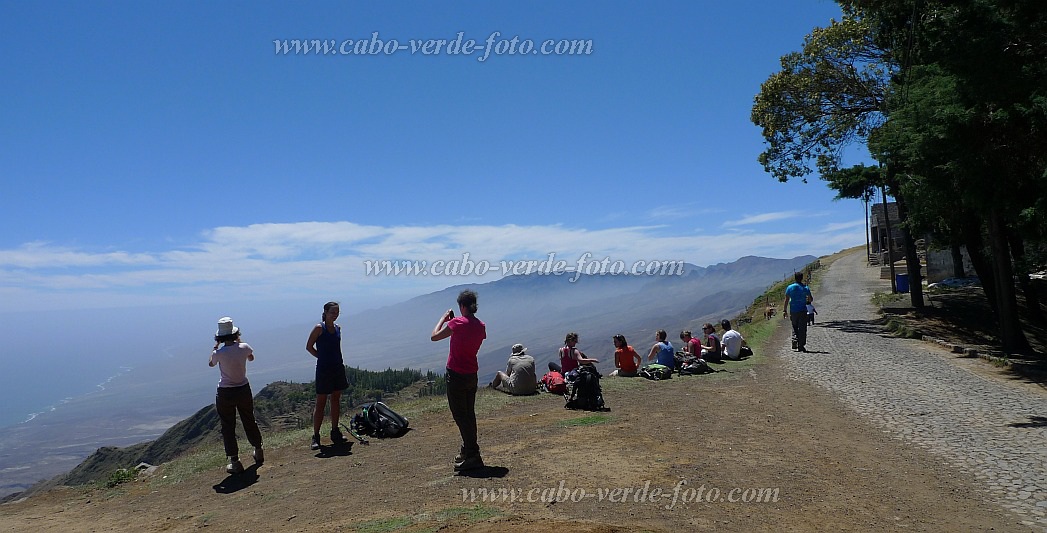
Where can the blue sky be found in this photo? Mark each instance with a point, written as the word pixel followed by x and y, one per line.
pixel 163 154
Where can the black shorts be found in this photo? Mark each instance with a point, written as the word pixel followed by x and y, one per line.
pixel 329 380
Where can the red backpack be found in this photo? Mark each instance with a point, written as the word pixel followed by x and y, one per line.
pixel 553 382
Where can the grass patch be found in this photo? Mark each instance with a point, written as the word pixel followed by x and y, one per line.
pixel 205 520
pixel 901 328
pixel 384 524
pixel 591 420
pixel 880 299
pixel 468 515
pixel 203 458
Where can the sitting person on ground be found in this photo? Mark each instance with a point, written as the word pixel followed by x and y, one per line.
pixel 571 357
pixel 519 378
pixel 691 345
pixel 711 350
pixel 626 360
pixel 662 351
pixel 732 341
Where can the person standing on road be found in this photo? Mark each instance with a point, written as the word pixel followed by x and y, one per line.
pixel 467 333
pixel 796 297
pixel 325 344
pixel 234 393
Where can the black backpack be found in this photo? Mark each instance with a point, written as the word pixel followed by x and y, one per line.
pixel 379 421
pixel 696 366
pixel 584 390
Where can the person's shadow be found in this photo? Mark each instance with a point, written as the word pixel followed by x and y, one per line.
pixel 236 482
pixel 335 450
pixel 485 472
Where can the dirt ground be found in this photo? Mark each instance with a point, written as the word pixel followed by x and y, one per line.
pixel 963 316
pixel 741 450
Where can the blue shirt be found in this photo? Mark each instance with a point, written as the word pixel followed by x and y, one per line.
pixel 666 356
pixel 797 294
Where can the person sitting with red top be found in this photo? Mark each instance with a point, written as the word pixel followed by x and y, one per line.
pixel 691 345
pixel 626 360
pixel 571 357
pixel 713 351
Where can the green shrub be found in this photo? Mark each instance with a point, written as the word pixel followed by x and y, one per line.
pixel 121 475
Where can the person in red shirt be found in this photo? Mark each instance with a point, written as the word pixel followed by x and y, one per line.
pixel 467 333
pixel 570 356
pixel 626 360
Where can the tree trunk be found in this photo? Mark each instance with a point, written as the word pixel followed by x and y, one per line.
pixel 912 259
pixel 1032 300
pixel 957 262
pixel 1011 335
pixel 972 237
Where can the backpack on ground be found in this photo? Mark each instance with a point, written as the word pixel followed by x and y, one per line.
pixel 378 420
pixel 554 382
pixel 681 359
pixel 696 366
pixel 585 392
pixel 656 372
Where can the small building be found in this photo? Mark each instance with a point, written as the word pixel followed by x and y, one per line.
pixel 880 239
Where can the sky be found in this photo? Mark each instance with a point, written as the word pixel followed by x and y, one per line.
pixel 165 158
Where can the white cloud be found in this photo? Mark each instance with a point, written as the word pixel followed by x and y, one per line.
pixel 749 220
pixel 318 259
pixel 840 226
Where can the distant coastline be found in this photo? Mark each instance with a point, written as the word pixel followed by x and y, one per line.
pixel 51 408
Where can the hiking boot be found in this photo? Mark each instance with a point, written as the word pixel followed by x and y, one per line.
pixel 336 436
pixel 258 455
pixel 316 442
pixel 234 466
pixel 803 349
pixel 471 462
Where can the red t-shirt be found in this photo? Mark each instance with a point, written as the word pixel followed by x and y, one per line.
pixel 696 347
pixel 467 334
pixel 567 359
pixel 625 359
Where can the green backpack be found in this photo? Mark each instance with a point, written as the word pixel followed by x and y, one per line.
pixel 656 372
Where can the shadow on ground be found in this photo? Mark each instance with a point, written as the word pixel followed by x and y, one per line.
pixel 236 482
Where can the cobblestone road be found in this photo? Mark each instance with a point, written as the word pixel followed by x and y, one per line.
pixel 918 393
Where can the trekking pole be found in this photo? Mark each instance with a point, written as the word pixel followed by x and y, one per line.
pixel 354 434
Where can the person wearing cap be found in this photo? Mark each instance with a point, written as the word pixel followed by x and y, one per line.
pixel 325 344
pixel 234 393
pixel 519 378
pixel 732 341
